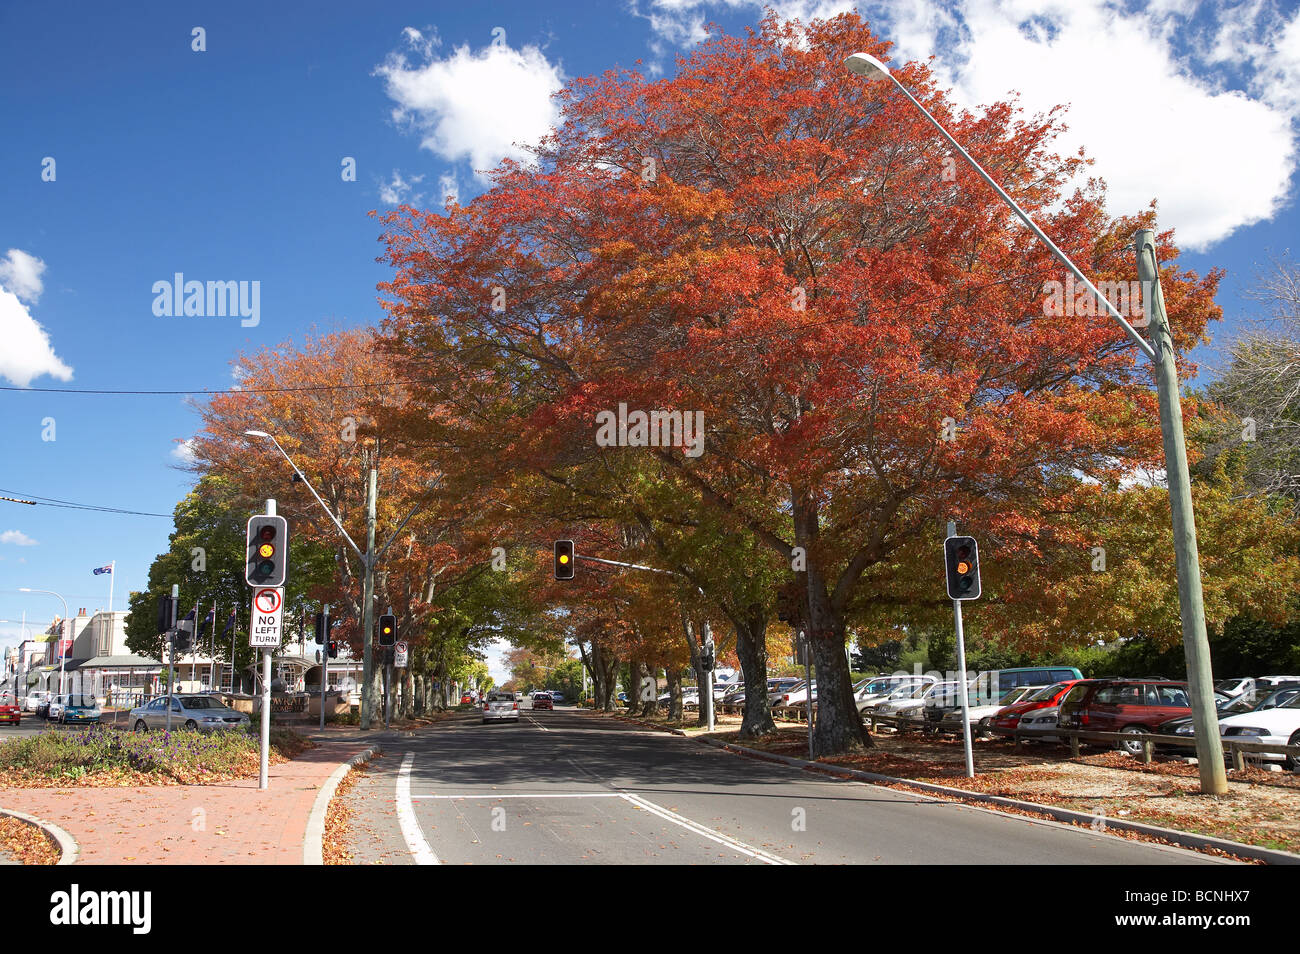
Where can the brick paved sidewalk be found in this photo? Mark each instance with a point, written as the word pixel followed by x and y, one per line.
pixel 227 823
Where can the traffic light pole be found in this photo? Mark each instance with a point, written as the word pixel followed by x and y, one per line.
pixel 964 688
pixel 368 605
pixel 324 659
pixel 263 775
pixel 171 651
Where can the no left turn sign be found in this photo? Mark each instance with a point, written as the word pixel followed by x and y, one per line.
pixel 264 622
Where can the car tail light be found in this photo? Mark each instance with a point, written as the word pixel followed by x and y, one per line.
pixel 486 706
pixel 1083 718
pixel 516 705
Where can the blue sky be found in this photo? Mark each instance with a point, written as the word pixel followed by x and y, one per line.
pixel 225 164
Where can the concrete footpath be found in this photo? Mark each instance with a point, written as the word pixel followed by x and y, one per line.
pixel 225 823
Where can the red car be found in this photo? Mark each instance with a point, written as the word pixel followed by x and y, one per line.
pixel 10 714
pixel 467 700
pixel 1008 718
pixel 1133 706
pixel 543 701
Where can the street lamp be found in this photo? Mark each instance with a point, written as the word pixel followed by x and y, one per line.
pixel 1196 647
pixel 62 655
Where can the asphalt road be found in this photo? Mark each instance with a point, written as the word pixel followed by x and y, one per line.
pixel 566 787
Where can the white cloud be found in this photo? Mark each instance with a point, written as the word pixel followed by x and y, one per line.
pixel 1195 104
pixel 17 538
pixel 184 451
pixel 449 188
pixel 479 106
pixel 399 191
pixel 21 274
pixel 27 352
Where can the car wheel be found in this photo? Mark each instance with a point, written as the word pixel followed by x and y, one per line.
pixel 1133 747
pixel 191 724
pixel 982 730
pixel 140 726
pixel 1291 761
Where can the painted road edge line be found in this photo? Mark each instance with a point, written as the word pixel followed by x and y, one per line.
pixel 69 850
pixel 313 845
pixel 1177 839
pixel 415 842
pixel 669 815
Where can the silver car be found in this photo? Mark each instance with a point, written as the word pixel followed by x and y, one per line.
pixel 194 712
pixel 500 707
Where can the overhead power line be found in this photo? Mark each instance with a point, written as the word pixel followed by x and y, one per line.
pixel 70 505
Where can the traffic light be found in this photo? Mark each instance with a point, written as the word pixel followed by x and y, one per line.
pixel 706 658
pixel 564 559
pixel 962 561
pixel 334 649
pixel 387 630
pixel 267 551
pixel 166 613
pixel 320 629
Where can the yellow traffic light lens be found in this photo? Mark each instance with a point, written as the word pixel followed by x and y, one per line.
pixel 266 550
pixel 564 558
pixel 963 568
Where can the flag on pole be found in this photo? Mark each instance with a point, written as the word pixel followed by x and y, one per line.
pixel 210 620
pixel 230 622
pixel 103 569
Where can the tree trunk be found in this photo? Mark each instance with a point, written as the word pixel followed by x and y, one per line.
pixel 674 695
pixel 751 647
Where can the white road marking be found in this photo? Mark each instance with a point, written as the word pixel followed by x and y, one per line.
pixel 483 795
pixel 538 724
pixel 670 815
pixel 415 842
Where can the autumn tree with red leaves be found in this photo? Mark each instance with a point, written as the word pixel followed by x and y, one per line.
pixel 767 240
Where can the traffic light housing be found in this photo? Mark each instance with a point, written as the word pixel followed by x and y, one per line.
pixel 961 558
pixel 564 559
pixel 183 640
pixel 320 629
pixel 334 649
pixel 166 614
pixel 387 630
pixel 267 553
pixel 707 661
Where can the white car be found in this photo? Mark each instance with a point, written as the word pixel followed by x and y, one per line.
pixel 908 690
pixel 881 687
pixel 1039 722
pixel 1277 726
pixel 981 716
pixel 34 699
pixel 501 707
pixel 913 707
pixel 797 695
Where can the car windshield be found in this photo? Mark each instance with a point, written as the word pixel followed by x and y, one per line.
pixel 878 685
pixel 1047 693
pixel 502 697
pixel 200 702
pixel 1292 703
pixel 82 702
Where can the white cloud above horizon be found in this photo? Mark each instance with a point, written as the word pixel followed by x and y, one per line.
pixel 27 353
pixel 1193 103
pixel 476 106
pixel 183 452
pixel 17 538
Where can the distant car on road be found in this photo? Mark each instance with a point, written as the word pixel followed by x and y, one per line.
pixel 501 707
pixel 188 711
pixel 542 700
pixel 34 700
pixel 557 696
pixel 74 707
pixel 467 700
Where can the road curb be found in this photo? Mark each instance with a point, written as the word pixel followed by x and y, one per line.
pixel 1182 839
pixel 313 845
pixel 69 851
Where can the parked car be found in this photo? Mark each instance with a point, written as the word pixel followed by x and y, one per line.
pixel 877 687
pixel 1259 699
pixel 797 695
pixel 1135 707
pixel 913 707
pixel 557 696
pixel 43 705
pixel 542 700
pixel 981 716
pixel 1008 719
pixel 735 696
pixel 74 707
pixel 1235 687
pixel 188 711
pixel 778 687
pixel 34 699
pixel 501 707
pixel 907 690
pixel 1279 725
pixel 10 712
pixel 1039 723
pixel 1009 679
